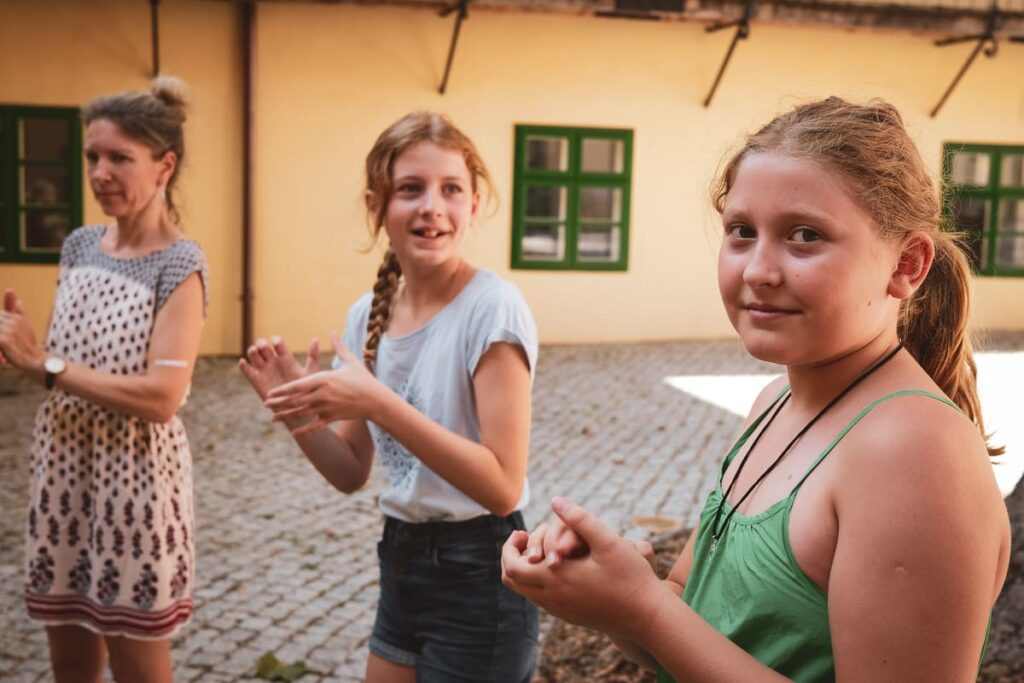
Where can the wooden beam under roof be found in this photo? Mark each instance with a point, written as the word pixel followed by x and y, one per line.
pixel 918 16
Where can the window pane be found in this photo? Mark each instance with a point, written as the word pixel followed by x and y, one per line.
pixel 45 139
pixel 3 188
pixel 1011 215
pixel 970 216
pixel 547 153
pixel 603 156
pixel 44 186
pixel 44 230
pixel 1010 252
pixel 970 168
pixel 601 204
pixel 1011 171
pixel 598 244
pixel 3 180
pixel 544 242
pixel 545 202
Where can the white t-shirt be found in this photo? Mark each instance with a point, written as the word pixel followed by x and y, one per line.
pixel 432 369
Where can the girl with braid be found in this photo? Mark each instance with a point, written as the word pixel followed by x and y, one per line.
pixel 433 374
pixel 856 532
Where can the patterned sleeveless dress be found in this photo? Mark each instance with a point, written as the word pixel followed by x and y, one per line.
pixel 110 532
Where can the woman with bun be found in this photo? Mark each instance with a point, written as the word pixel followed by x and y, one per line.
pixel 110 535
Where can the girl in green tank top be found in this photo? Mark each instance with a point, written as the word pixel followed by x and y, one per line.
pixel 855 532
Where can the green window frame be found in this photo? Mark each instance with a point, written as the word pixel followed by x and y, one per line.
pixel 984 199
pixel 40 181
pixel 571 198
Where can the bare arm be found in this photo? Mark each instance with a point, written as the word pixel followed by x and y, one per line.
pixel 491 472
pixel 920 557
pixel 613 590
pixel 921 551
pixel 343 455
pixel 154 395
pixel 675 582
pixel 557 536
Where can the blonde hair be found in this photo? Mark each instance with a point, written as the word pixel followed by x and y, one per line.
pixel 155 118
pixel 408 131
pixel 869 147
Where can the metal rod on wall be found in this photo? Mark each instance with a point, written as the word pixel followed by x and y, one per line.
pixel 963 69
pixel 742 33
pixel 986 37
pixel 154 32
pixel 463 12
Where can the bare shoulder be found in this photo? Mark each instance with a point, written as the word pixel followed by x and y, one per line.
pixel 917 438
pixel 765 398
pixel 922 467
pixel 923 534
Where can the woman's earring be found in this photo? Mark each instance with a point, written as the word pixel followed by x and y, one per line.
pixel 162 193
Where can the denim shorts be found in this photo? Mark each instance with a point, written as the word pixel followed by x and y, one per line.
pixel 443 608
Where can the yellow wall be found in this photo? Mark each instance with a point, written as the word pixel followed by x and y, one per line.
pixel 332 77
pixel 64 53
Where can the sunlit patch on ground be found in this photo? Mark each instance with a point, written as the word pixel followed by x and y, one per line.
pixel 1000 383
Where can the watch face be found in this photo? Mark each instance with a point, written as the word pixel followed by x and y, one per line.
pixel 54 365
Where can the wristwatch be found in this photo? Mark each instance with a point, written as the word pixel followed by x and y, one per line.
pixel 53 365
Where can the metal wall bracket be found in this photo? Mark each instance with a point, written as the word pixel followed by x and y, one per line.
pixel 987 41
pixel 461 7
pixel 742 33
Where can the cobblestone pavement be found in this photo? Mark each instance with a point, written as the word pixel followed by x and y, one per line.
pixel 286 564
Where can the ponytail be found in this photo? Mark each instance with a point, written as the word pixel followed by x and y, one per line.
pixel 933 327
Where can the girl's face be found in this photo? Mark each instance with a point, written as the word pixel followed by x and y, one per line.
pixel 432 205
pixel 123 175
pixel 803 272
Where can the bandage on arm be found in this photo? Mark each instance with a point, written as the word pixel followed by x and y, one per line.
pixel 170 363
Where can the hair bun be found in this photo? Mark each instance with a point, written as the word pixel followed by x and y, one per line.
pixel 172 91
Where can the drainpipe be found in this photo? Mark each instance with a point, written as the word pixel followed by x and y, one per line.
pixel 154 35
pixel 248 9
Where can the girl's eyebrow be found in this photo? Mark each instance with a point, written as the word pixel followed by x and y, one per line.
pixel 124 151
pixel 807 215
pixel 447 179
pixel 791 216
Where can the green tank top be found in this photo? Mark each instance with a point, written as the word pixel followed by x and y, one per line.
pixel 751 588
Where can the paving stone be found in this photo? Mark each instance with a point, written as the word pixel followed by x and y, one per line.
pixel 287 564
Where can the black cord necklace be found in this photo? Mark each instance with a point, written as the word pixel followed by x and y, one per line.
pixel 716 531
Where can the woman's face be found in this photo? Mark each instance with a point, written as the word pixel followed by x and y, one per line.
pixel 123 175
pixel 803 272
pixel 431 207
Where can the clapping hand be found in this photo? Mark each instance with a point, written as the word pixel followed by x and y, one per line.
pixel 269 365
pixel 324 397
pixel 611 587
pixel 554 541
pixel 17 339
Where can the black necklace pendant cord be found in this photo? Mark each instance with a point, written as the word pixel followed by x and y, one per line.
pixel 716 532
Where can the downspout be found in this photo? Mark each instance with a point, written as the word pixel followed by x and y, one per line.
pixel 248 114
pixel 154 35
